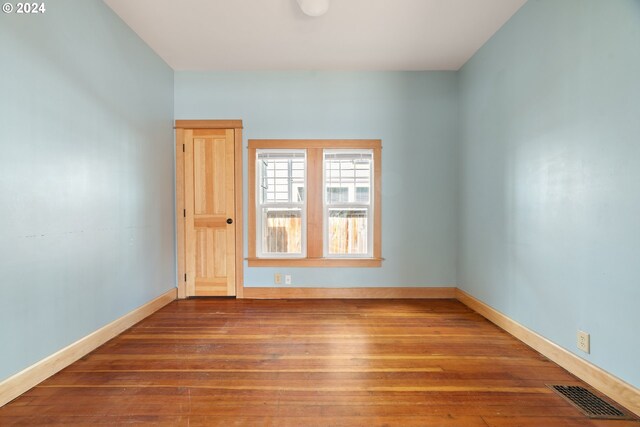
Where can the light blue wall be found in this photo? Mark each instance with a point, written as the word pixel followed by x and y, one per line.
pixel 86 177
pixel 550 175
pixel 415 115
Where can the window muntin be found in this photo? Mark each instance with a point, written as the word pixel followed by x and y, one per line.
pixel 347 208
pixel 281 204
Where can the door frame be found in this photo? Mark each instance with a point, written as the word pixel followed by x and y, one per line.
pixel 180 127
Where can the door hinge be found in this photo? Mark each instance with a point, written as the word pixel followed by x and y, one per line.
pixel 184 213
pixel 183 148
pixel 185 277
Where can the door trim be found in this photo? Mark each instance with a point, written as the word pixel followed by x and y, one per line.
pixel 208 124
pixel 181 127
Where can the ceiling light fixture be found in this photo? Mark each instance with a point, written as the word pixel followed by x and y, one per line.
pixel 314 7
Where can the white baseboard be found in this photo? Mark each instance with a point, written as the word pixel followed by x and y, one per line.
pixel 612 386
pixel 24 380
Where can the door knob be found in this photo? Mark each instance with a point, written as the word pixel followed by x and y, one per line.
pixel 229 221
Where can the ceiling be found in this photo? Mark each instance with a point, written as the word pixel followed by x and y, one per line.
pixel 352 35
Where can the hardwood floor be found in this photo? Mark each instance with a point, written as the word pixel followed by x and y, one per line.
pixel 307 363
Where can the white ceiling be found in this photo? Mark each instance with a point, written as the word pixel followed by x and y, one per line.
pixel 352 35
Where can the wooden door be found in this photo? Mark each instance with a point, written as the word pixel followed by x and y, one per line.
pixel 210 223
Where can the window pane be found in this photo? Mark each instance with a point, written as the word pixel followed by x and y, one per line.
pixel 347 176
pixel 348 231
pixel 281 176
pixel 282 231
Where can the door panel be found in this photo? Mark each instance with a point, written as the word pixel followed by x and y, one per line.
pixel 209 202
pixel 211 256
pixel 210 175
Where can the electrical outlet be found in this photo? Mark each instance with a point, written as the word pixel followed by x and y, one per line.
pixel 583 341
pixel 277 279
pixel 287 279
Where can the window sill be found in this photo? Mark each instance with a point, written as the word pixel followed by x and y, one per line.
pixel 315 262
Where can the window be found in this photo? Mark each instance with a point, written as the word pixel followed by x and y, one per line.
pixel 281 206
pixel 347 229
pixel 314 203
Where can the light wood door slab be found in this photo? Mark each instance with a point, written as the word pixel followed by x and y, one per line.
pixel 210 210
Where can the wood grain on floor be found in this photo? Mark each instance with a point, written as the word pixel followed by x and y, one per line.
pixel 307 363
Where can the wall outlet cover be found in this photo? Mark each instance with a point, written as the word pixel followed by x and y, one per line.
pixel 583 341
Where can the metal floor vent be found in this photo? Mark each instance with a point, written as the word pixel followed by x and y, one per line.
pixel 590 404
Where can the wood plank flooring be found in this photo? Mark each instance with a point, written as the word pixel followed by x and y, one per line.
pixel 307 363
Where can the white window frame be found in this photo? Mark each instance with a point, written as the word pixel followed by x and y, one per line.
pixel 259 205
pixel 369 207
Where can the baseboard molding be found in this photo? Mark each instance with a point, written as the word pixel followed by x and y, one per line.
pixel 612 386
pixel 24 380
pixel 348 293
